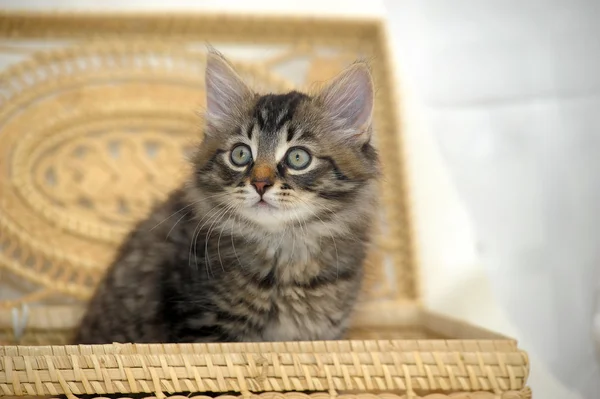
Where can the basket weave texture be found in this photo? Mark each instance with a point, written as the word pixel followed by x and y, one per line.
pixel 97 113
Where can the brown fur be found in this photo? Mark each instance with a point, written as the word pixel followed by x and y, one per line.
pixel 214 262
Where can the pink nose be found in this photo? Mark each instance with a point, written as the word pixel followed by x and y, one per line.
pixel 261 186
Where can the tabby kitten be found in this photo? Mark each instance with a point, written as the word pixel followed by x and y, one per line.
pixel 266 239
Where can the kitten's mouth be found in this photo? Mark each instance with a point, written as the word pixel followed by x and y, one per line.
pixel 262 204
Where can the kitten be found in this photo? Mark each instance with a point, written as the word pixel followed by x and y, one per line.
pixel 266 239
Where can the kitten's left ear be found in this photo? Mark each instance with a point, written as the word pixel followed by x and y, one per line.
pixel 348 101
pixel 225 89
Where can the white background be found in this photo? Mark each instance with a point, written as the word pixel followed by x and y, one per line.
pixel 502 106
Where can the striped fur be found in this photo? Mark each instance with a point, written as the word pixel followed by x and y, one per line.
pixel 215 263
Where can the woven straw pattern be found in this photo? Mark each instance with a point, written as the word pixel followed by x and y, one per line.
pixel 523 394
pixel 315 366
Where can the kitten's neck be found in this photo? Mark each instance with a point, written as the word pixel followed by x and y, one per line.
pixel 304 251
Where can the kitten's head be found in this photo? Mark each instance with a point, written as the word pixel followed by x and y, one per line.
pixel 279 159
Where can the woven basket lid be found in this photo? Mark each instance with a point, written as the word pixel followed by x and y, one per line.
pixel 93 133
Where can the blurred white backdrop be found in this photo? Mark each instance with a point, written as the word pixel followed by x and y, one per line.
pixel 502 114
pixel 511 92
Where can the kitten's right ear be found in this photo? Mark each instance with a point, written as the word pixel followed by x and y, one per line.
pixel 348 101
pixel 225 89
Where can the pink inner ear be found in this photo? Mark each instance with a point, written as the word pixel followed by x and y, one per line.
pixel 225 90
pixel 349 100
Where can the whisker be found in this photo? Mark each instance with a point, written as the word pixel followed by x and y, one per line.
pixel 178 220
pixel 191 244
pixel 207 264
pixel 197 229
pixel 221 233
pixel 217 219
pixel 281 241
pixel 185 207
pixel 232 241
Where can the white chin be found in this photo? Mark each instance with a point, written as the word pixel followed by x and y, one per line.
pixel 266 216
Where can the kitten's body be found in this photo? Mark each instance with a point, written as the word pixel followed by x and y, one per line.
pixel 280 291
pixel 213 264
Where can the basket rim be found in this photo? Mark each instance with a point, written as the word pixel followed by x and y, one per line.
pixel 373 366
pixel 524 393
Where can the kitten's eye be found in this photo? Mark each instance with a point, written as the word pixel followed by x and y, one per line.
pixel 298 158
pixel 241 155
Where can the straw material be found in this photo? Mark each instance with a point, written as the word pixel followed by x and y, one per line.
pixel 523 394
pixel 370 366
pixel 97 113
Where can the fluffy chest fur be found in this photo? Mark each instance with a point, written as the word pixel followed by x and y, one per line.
pixel 304 289
pixel 306 315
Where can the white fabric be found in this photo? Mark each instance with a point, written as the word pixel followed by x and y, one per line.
pixel 510 92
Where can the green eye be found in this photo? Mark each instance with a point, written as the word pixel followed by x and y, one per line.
pixel 298 158
pixel 241 155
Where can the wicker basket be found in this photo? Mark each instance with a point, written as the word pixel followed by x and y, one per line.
pixel 93 105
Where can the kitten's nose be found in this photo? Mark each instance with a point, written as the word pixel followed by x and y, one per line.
pixel 262 177
pixel 261 185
